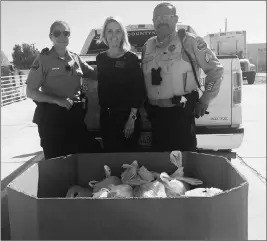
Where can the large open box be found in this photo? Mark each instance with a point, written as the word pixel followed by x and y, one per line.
pixel 38 208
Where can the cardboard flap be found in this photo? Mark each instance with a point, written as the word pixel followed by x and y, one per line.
pixel 47 178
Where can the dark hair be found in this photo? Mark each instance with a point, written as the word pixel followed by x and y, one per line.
pixel 165 4
pixel 58 22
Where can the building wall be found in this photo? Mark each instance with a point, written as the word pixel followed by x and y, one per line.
pixel 257 55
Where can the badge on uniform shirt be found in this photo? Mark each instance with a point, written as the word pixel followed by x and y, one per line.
pixel 201 45
pixel 120 64
pixel 171 48
pixel 35 65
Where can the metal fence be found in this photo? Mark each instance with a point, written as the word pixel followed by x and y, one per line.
pixel 13 89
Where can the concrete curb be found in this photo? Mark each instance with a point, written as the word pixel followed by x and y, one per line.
pixel 38 157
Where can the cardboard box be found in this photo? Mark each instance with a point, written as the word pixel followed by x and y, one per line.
pixel 38 208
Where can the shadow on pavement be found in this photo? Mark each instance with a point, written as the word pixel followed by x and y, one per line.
pixel 27 155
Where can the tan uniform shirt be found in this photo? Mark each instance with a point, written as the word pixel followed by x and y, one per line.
pixel 57 76
pixel 202 58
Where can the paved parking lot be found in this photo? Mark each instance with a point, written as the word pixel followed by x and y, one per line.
pixel 20 142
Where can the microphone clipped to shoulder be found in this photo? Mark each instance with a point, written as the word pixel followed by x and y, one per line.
pixel 181 34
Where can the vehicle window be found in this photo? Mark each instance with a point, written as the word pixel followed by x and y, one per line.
pixel 96 47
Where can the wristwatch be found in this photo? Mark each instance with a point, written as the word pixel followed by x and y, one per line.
pixel 133 116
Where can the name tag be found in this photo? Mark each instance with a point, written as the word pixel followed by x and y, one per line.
pixel 120 64
pixel 55 68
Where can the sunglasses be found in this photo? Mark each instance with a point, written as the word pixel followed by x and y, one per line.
pixel 58 33
pixel 163 18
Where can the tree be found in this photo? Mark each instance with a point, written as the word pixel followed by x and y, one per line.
pixel 4 59
pixel 24 55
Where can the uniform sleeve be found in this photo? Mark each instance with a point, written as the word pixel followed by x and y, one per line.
pixel 36 77
pixel 88 71
pixel 211 66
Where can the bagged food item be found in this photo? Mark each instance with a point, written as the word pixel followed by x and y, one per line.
pixel 150 190
pixel 134 176
pixel 106 182
pixel 77 191
pixel 120 191
pixel 173 187
pixel 179 175
pixel 102 193
pixel 145 174
pixel 176 158
pixel 203 192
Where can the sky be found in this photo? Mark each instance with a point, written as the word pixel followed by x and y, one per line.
pixel 29 21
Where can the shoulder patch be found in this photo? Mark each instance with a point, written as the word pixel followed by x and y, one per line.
pixel 45 51
pixel 35 64
pixel 172 47
pixel 201 44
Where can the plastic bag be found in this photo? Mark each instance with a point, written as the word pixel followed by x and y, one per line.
pixel 179 175
pixel 120 191
pixel 102 193
pixel 150 190
pixel 134 176
pixel 203 192
pixel 176 159
pixel 106 182
pixel 173 187
pixel 77 191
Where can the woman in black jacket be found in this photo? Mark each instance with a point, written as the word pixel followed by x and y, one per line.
pixel 121 89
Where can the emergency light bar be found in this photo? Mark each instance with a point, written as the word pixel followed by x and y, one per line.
pixel 139 26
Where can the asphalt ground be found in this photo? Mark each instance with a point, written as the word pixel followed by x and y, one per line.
pixel 20 143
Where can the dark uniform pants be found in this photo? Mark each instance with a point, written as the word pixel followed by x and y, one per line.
pixel 173 128
pixel 63 132
pixel 112 122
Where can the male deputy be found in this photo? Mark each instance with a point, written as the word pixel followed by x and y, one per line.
pixel 172 83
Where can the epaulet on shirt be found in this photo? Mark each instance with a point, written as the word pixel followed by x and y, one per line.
pixel 45 51
pixel 183 34
pixel 191 35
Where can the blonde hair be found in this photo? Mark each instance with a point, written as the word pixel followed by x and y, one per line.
pixel 125 41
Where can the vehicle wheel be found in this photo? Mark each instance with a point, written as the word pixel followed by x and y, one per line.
pixel 251 77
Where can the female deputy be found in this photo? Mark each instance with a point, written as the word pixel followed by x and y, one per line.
pixel 121 89
pixel 60 108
